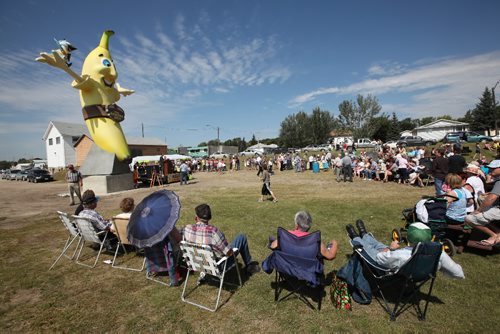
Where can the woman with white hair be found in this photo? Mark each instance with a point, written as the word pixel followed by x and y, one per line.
pixel 303 223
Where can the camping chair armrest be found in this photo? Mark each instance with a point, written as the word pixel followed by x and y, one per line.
pixel 105 231
pixel 226 257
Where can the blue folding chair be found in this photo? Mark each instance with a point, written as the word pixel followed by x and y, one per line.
pixel 420 269
pixel 298 265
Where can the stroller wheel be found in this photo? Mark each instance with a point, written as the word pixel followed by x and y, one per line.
pixel 396 235
pixel 448 247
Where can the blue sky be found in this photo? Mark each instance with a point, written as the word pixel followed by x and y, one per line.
pixel 243 66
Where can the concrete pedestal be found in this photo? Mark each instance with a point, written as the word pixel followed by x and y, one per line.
pixel 105 184
pixel 104 173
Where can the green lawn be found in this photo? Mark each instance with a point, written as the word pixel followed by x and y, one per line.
pixel 72 298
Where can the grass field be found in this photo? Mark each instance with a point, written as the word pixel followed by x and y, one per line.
pixel 72 298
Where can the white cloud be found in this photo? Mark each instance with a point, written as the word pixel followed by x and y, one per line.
pixel 449 86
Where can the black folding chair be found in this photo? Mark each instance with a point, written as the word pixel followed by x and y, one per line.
pixel 298 265
pixel 420 269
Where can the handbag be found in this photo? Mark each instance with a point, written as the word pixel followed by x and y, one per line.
pixel 339 293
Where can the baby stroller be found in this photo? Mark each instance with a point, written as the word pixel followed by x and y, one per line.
pixel 430 210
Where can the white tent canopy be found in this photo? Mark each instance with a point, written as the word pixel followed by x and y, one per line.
pixel 260 145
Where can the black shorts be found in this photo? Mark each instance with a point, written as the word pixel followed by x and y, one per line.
pixel 266 189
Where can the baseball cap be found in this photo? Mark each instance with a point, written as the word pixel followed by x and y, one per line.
pixel 494 164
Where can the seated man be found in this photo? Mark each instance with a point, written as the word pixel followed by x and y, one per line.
pixel 89 201
pixel 203 233
pixel 391 257
pixel 303 223
pixel 489 211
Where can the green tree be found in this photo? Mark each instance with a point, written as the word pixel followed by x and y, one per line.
pixel 395 129
pixel 484 113
pixel 252 141
pixel 380 128
pixel 427 120
pixel 407 124
pixel 301 129
pixel 355 115
pixel 203 143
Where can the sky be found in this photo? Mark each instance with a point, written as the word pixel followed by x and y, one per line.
pixel 240 67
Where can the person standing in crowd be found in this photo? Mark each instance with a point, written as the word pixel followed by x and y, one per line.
pixel 456 162
pixel 184 168
pixel 347 167
pixel 439 170
pixel 75 182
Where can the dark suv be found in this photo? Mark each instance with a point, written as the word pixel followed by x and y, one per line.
pixel 415 141
pixel 38 175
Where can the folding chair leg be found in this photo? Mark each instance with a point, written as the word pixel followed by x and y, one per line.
pixel 98 254
pixel 67 245
pixel 125 267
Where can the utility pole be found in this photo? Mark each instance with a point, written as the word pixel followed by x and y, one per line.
pixel 495 107
pixel 142 126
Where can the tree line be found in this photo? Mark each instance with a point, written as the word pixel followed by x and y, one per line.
pixel 363 118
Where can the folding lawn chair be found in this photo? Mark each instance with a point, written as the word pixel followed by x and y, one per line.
pixel 412 276
pixel 202 258
pixel 159 259
pixel 298 265
pixel 120 225
pixel 74 234
pixel 88 233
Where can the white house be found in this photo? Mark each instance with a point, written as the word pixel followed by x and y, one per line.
pixel 59 140
pixel 438 129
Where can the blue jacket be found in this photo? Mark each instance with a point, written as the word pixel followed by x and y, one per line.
pixel 352 273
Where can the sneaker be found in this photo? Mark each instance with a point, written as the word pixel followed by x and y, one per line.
pixel 253 268
pixel 361 227
pixel 275 200
pixel 351 232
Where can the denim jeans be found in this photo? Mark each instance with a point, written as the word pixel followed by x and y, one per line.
pixel 371 245
pixel 241 243
pixel 438 185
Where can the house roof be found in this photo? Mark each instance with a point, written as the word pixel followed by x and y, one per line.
pixel 441 123
pixel 67 129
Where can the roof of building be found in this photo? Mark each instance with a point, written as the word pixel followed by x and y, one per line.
pixel 441 123
pixel 67 129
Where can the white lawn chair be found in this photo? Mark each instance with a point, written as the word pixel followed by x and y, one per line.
pixel 74 234
pixel 120 225
pixel 88 233
pixel 202 258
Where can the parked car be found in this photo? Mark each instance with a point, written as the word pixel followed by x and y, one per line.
pixel 391 143
pixel 249 153
pixel 219 155
pixel 12 174
pixel 473 137
pixel 453 137
pixel 5 173
pixel 415 141
pixel 38 175
pixel 365 143
pixel 22 175
pixel 309 148
pixel 496 138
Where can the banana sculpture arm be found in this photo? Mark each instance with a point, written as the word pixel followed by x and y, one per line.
pixel 124 91
pixel 55 60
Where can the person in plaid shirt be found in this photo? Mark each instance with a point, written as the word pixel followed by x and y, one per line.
pixel 203 233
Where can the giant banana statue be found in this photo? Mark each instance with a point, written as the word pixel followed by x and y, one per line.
pixel 99 93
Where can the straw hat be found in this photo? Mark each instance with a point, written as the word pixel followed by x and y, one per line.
pixel 473 169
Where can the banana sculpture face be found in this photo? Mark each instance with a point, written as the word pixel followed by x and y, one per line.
pixel 99 93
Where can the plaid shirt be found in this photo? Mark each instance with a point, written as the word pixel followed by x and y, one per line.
pixel 204 234
pixel 73 176
pixel 99 223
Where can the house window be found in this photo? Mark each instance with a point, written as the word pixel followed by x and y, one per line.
pixel 50 141
pixel 58 140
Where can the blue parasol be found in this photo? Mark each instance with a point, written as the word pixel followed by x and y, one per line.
pixel 153 218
